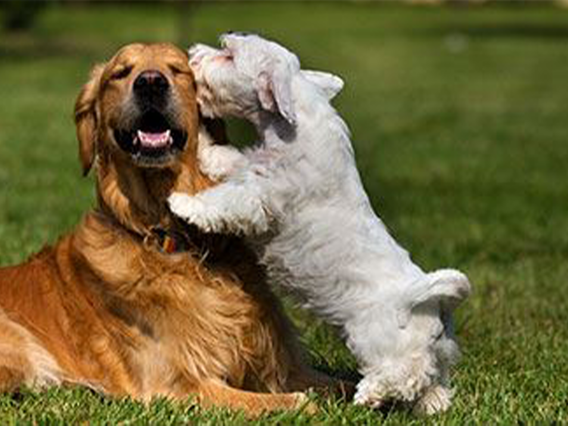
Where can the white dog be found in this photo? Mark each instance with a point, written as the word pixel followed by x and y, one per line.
pixel 299 199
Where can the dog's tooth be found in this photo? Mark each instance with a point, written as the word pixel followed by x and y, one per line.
pixel 154 139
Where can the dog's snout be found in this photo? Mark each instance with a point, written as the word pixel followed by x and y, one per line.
pixel 151 82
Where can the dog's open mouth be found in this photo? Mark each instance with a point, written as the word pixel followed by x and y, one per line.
pixel 152 140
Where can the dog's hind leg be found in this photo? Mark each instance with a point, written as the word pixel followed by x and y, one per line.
pixel 213 393
pixel 436 399
pixel 23 361
pixel 13 362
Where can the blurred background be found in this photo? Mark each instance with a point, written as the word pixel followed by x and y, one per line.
pixel 458 111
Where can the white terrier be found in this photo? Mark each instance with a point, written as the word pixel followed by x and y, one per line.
pixel 299 200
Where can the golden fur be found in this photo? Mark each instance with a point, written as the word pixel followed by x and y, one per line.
pixel 107 308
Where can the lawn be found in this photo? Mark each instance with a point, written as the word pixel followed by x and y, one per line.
pixel 459 121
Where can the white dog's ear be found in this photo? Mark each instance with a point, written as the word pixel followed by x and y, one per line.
pixel 275 91
pixel 446 286
pixel 329 83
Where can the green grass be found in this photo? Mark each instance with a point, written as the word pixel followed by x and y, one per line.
pixel 459 124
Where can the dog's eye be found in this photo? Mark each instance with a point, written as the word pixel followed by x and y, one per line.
pixel 177 70
pixel 121 73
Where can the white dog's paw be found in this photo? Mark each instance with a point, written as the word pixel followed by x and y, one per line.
pixel 250 217
pixel 220 212
pixel 196 212
pixel 368 395
pixel 436 399
pixel 400 382
pixel 221 161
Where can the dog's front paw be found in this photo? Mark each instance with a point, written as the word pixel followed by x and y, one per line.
pixel 219 162
pixel 195 211
pixel 436 399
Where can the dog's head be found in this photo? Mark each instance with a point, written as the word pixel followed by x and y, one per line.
pixel 250 74
pixel 137 116
pixel 140 106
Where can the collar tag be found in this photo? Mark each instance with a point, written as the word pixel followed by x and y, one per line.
pixel 169 245
pixel 169 242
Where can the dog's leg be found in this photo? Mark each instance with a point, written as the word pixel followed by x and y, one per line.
pixel 212 393
pixel 13 362
pixel 218 161
pixel 231 207
pixel 307 378
pixel 436 399
pixel 293 360
pixel 22 359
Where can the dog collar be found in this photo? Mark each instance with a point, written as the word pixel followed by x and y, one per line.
pixel 170 242
pixel 188 239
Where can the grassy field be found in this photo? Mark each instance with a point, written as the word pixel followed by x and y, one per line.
pixel 459 120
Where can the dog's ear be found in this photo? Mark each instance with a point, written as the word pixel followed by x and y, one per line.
pixel 275 91
pixel 446 286
pixel 330 84
pixel 86 119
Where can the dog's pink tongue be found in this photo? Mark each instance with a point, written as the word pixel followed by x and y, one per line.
pixel 154 140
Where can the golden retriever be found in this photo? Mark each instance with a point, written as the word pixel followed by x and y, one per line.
pixel 134 302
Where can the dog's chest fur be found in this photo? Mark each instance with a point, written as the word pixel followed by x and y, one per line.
pixel 180 317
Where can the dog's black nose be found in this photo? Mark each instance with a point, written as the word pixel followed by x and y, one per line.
pixel 151 83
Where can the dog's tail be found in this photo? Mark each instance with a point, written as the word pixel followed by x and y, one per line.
pixel 448 287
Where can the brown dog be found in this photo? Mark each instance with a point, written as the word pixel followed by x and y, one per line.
pixel 134 303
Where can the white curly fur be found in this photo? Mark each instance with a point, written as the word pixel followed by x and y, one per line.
pixel 299 199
